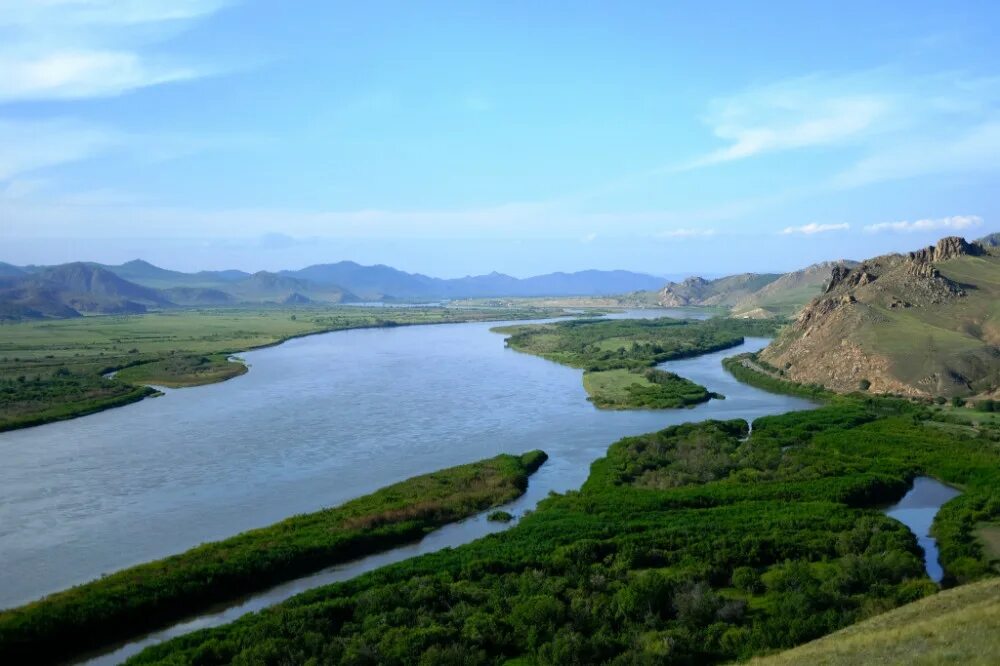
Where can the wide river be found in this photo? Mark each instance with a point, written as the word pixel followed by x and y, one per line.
pixel 316 421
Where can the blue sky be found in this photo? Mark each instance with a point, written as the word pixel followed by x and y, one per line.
pixel 453 138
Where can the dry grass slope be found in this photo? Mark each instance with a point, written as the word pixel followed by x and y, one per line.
pixel 957 626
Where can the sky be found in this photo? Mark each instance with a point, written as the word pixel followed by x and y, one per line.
pixel 456 138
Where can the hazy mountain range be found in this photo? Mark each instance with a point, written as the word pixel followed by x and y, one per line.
pixel 83 288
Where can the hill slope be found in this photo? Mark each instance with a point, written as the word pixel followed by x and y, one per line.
pixel 71 289
pixel 752 294
pixel 957 626
pixel 922 324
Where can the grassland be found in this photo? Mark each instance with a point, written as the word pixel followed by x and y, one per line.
pixel 957 626
pixel 143 597
pixel 699 544
pixel 618 356
pixel 648 389
pixel 54 369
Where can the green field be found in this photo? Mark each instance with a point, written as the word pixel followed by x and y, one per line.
pixel 618 356
pixel 141 598
pixel 646 389
pixel 53 369
pixel 698 544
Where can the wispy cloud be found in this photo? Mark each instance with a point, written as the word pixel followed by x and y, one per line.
pixel 814 228
pixel 73 49
pixel 27 146
pixel 798 113
pixel 955 223
pixel 975 148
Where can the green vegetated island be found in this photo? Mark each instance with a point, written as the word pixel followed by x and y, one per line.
pixel 147 596
pixel 619 356
pixel 55 369
pixel 701 543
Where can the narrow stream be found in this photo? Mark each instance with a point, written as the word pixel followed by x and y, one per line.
pixel 916 510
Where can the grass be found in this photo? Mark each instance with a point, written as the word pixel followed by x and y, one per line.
pixel 651 388
pixel 141 598
pixel 618 356
pixel 958 626
pixel 174 348
pixel 179 371
pixel 989 536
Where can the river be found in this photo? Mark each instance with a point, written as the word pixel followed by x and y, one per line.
pixel 316 421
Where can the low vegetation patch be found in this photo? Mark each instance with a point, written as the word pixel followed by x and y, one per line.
pixel 619 356
pixel 650 389
pixel 138 599
pixel 184 370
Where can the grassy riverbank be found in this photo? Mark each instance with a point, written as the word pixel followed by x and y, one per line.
pixel 696 544
pixel 141 598
pixel 53 369
pixel 618 356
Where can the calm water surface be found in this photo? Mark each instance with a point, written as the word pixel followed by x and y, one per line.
pixel 917 510
pixel 315 422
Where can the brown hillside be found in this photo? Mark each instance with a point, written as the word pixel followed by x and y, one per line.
pixel 924 323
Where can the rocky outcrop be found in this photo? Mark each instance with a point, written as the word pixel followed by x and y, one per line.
pixel 903 323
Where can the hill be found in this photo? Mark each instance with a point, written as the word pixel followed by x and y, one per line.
pixel 957 626
pixel 384 282
pixel 993 240
pixel 752 295
pixel 271 287
pixel 925 323
pixel 73 289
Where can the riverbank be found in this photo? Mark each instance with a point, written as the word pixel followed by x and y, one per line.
pixel 55 370
pixel 141 598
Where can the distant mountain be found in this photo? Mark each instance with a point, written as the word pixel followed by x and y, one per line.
pixel 728 290
pixel 8 270
pixel 922 324
pixel 144 273
pixel 758 295
pixel 198 296
pixel 271 287
pixel 384 282
pixel 993 240
pixel 71 289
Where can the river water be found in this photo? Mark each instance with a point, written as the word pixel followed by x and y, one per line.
pixel 916 510
pixel 315 422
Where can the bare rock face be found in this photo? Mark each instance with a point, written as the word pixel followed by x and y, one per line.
pixel 947 248
pixel 833 340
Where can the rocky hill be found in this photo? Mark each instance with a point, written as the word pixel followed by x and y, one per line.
pixel 756 295
pixel 925 323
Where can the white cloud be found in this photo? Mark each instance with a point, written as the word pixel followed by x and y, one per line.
pixel 973 149
pixel 70 49
pixel 82 74
pixel 685 233
pixel 798 113
pixel 955 222
pixel 589 238
pixel 814 228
